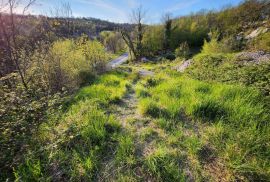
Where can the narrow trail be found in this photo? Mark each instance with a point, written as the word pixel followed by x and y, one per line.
pixel 147 134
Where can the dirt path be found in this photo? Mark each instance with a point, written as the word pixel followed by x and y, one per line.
pixel 147 136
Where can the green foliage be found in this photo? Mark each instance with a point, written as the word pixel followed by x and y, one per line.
pixel 262 42
pixel 230 21
pixel 182 50
pixel 112 41
pixel 153 40
pixel 215 46
pixel 191 29
pixel 30 171
pixel 231 69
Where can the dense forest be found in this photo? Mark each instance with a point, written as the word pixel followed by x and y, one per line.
pixel 191 103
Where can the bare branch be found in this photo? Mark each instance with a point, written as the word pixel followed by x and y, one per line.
pixel 30 3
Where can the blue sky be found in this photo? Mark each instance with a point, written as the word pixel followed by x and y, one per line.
pixel 119 10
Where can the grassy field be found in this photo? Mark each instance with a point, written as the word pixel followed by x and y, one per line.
pixel 166 127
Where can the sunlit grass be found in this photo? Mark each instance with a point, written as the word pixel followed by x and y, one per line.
pixel 236 118
pixel 75 143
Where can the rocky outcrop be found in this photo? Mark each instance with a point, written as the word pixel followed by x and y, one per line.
pixel 253 57
pixel 182 67
pixel 257 32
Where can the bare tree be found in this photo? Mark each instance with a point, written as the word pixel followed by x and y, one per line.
pixel 136 47
pixel 9 32
pixel 138 16
pixel 64 13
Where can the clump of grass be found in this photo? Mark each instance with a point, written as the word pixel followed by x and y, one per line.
pixel 148 133
pixel 126 150
pixel 141 91
pixel 165 165
pixel 204 89
pixel 109 88
pixel 30 171
pixel 152 82
pixel 149 107
pixel 209 110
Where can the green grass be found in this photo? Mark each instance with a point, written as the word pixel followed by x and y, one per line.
pixel 233 119
pixel 72 147
pixel 193 129
pixel 126 150
pixel 164 164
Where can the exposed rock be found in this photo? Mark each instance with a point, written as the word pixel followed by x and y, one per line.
pixel 144 59
pixel 183 66
pixel 253 57
pixel 256 32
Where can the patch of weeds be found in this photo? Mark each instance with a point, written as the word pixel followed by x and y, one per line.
pixel 162 123
pixel 166 123
pixel 174 92
pixel 143 93
pixel 126 178
pixel 175 137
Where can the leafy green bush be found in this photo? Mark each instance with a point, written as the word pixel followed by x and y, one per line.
pixel 214 46
pixel 169 56
pixel 71 58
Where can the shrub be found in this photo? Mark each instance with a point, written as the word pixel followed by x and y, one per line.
pixel 262 42
pixel 182 50
pixel 170 56
pixel 86 78
pixel 214 46
pixel 70 59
